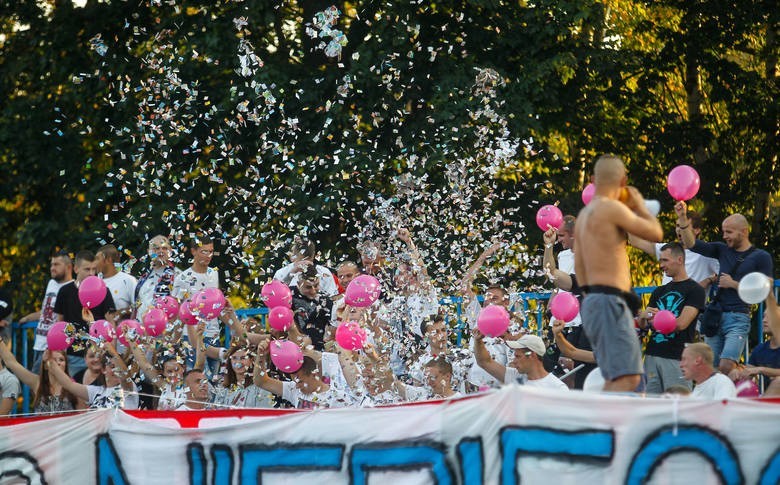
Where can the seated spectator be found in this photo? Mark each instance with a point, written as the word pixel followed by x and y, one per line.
pixel 119 390
pixel 528 352
pixel 48 395
pixel 697 366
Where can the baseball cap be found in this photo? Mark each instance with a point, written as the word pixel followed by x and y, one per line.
pixel 530 342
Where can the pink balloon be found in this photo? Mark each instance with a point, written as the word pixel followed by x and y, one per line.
pixel 747 388
pixel 493 320
pixel 169 305
pixel 275 293
pixel 280 318
pixel 665 322
pixel 564 306
pixel 129 329
pixel 209 302
pixel 60 336
pixel 186 314
pixel 92 291
pixel 102 330
pixel 587 193
pixel 683 182
pixel 286 356
pixel 363 291
pixel 155 321
pixel 549 215
pixel 350 336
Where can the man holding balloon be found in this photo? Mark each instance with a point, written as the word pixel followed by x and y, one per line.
pixel 601 265
pixel 737 258
pixel 672 309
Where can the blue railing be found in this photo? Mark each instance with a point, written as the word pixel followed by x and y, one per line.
pixel 23 334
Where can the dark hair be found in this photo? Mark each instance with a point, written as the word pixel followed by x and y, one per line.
pixel 85 255
pixel 110 252
pixel 230 376
pixel 309 366
pixel 199 241
pixel 65 255
pixel 441 364
pixel 695 219
pixel 304 247
pixel 675 248
pixel 430 321
pixel 499 288
pixel 187 373
pixel 311 273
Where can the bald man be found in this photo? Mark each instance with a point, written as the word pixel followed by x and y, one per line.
pixel 737 257
pixel 601 265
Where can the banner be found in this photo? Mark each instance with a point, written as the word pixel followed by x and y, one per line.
pixel 508 436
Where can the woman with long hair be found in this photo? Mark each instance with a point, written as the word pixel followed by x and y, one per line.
pixel 238 388
pixel 50 396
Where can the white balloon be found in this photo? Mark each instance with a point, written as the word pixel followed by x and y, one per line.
pixel 653 206
pixel 754 287
pixel 594 382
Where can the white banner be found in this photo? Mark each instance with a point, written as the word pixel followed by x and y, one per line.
pixel 508 436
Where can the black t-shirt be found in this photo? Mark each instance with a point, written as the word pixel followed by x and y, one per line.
pixel 69 306
pixel 674 296
pixel 312 316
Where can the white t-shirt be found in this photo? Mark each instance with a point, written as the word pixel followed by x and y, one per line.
pixel 566 261
pixel 513 375
pixel 717 386
pixel 327 283
pixel 548 382
pixel 9 384
pixel 332 398
pixel 417 393
pixel 112 397
pixel 122 287
pixel 171 398
pixel 47 314
pixel 697 266
pixel 461 360
pixel 188 282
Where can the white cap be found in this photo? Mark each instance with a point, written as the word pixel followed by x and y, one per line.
pixel 530 342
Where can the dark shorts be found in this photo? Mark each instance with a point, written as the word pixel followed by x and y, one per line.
pixel 609 325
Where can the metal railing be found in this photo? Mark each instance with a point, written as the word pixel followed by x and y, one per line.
pixel 23 334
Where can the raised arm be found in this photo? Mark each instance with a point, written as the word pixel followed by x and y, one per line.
pixel 29 379
pixel 484 360
pixel 569 350
pixel 684 228
pixel 146 367
pixel 261 377
pixel 642 244
pixel 635 219
pixel 78 390
pixel 120 366
pixel 406 237
pixel 559 278
pixel 467 282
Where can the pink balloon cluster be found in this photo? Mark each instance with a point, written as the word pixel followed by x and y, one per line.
pixel 280 318
pixel 275 293
pixel 549 216
pixel 350 336
pixel 92 291
pixel 363 291
pixel 60 336
pixel 493 320
pixel 665 322
pixel 286 356
pixel 683 182
pixel 564 306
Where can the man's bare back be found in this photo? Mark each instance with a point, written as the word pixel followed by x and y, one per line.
pixel 601 257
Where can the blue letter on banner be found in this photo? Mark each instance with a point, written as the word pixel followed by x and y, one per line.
pixel 287 458
pixel 585 445
pixel 666 441
pixel 771 473
pixel 471 461
pixel 399 456
pixel 109 468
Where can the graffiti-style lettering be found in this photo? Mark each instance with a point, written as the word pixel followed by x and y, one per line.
pixel 399 456
pixel 287 458
pixel 109 467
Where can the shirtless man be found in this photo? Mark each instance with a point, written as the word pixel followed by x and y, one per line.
pixel 601 265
